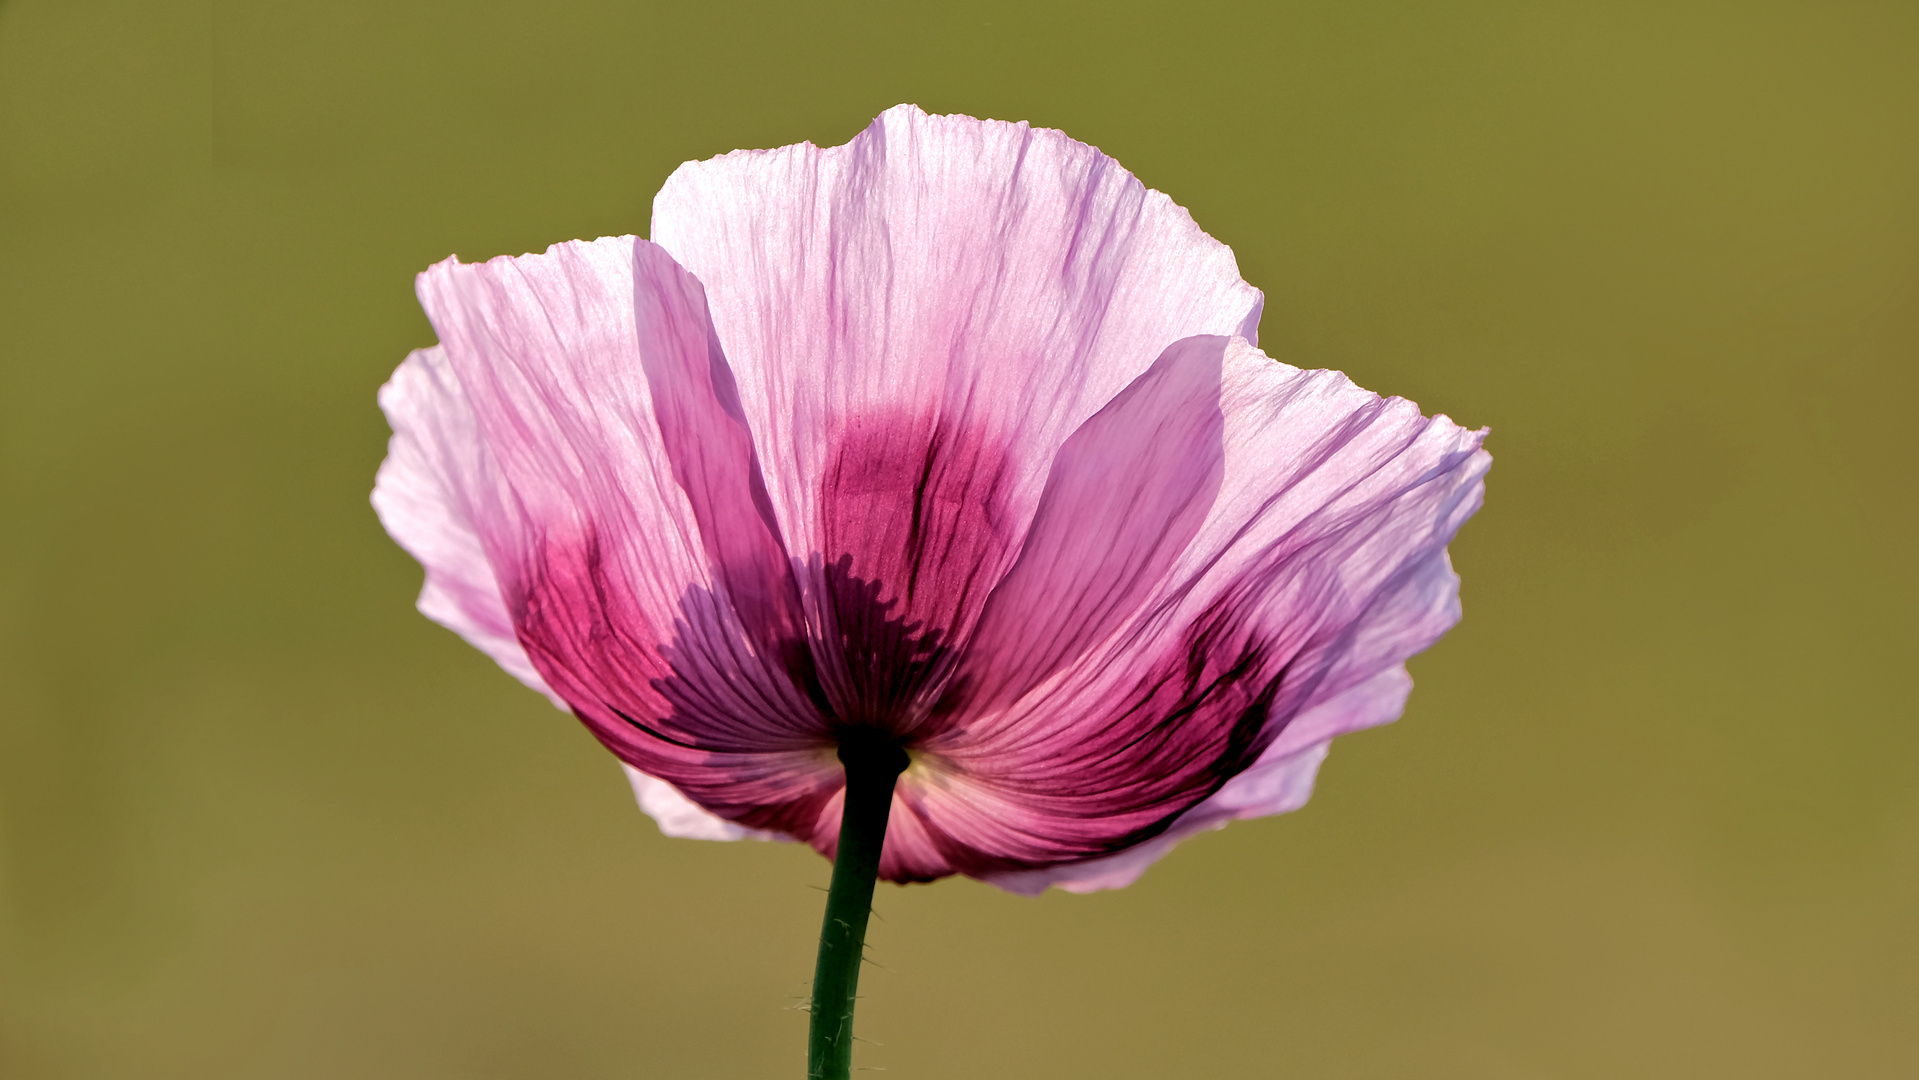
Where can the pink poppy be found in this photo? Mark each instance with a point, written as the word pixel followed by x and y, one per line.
pixel 956 439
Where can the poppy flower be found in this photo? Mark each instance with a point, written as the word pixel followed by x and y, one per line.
pixel 954 441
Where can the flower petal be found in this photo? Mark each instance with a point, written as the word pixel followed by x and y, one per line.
pixel 918 320
pixel 681 817
pixel 1320 568
pixel 1289 780
pixel 425 494
pixel 1281 781
pixel 632 550
pixel 421 495
pixel 1126 495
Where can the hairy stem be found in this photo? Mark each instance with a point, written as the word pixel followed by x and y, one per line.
pixel 872 765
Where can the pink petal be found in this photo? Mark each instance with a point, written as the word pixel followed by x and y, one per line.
pixel 679 816
pixel 918 320
pixel 424 495
pixel 1289 781
pixel 434 460
pixel 643 578
pixel 1279 782
pixel 1319 569
pixel 1126 495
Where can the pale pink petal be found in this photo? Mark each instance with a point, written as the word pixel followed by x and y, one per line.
pixel 434 462
pixel 1320 566
pixel 642 576
pixel 1287 784
pixel 918 320
pixel 1279 782
pixel 1126 495
pixel 681 817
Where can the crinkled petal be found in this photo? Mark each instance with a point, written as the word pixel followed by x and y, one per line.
pixel 630 542
pixel 1279 782
pixel 918 321
pixel 424 495
pixel 681 817
pixel 1288 781
pixel 1320 566
pixel 1126 495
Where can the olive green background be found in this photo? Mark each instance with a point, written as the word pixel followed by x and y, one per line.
pixel 1653 812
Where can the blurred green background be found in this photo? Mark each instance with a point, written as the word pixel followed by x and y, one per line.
pixel 1654 811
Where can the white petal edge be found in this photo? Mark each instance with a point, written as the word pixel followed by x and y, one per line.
pixel 418 498
pixel 681 817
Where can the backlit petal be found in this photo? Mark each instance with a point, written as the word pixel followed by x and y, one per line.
pixel 433 461
pixel 918 320
pixel 1279 782
pixel 425 493
pixel 643 578
pixel 1320 567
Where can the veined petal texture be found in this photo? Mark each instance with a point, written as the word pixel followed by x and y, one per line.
pixel 956 433
pixel 918 320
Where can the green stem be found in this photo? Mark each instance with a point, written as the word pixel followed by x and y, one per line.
pixel 872 764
